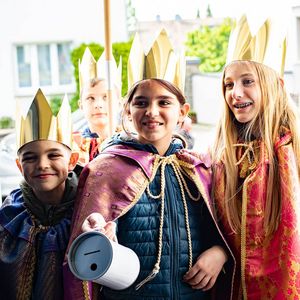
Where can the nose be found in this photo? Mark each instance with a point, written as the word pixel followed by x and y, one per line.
pixel 99 102
pixel 152 110
pixel 43 163
pixel 237 91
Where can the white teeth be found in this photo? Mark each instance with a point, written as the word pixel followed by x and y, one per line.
pixel 242 105
pixel 152 123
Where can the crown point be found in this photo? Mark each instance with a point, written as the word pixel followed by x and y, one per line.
pixel 90 69
pixel 160 61
pixel 258 39
pixel 40 124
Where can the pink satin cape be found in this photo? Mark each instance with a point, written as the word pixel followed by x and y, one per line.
pixel 113 182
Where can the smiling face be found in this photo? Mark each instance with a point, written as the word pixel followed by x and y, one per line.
pixel 45 166
pixel 93 103
pixel 155 111
pixel 242 91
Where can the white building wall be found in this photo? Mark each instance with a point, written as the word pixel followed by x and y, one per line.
pixel 38 21
pixel 77 21
pixel 295 46
pixel 207 97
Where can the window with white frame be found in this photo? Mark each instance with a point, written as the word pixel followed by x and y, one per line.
pixel 43 65
pixel 24 66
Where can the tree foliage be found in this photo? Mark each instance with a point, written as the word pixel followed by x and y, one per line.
pixel 208 12
pixel 119 50
pixel 55 104
pixel 210 45
pixel 6 122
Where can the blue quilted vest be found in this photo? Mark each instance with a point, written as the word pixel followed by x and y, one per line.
pixel 138 229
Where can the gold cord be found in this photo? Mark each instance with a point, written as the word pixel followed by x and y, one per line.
pixel 178 167
pixel 27 278
pixel 250 164
pixel 85 289
pixel 248 152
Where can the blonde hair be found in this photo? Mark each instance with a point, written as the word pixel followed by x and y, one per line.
pixel 93 82
pixel 276 110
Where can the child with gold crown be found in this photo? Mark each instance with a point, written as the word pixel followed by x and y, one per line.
pixel 257 164
pixel 93 102
pixel 35 218
pixel 157 192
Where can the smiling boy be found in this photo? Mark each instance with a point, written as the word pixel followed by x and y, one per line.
pixel 35 219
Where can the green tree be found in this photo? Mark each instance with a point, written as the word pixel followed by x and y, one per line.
pixel 130 16
pixel 210 45
pixel 6 122
pixel 119 50
pixel 55 104
pixel 208 12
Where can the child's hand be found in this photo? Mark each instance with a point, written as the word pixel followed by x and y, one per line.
pixel 95 221
pixel 110 230
pixel 205 271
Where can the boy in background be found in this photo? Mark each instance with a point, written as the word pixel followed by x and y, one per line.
pixel 94 104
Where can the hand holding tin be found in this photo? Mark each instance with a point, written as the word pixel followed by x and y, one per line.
pixel 95 221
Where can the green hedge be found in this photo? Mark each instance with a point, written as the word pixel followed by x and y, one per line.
pixel 7 122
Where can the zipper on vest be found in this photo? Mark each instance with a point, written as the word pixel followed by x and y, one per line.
pixel 174 235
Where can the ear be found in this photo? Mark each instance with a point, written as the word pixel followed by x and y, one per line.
pixel 19 165
pixel 184 109
pixel 127 113
pixel 73 160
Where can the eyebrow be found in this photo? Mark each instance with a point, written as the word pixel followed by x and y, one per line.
pixel 242 76
pixel 88 95
pixel 247 74
pixel 158 97
pixel 48 150
pixel 139 97
pixel 166 97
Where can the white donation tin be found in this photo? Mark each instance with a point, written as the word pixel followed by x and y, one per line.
pixel 96 258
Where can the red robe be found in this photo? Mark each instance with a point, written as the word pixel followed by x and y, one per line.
pixel 269 269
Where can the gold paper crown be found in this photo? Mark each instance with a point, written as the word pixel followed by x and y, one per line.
pixel 90 69
pixel 40 124
pixel 262 42
pixel 160 62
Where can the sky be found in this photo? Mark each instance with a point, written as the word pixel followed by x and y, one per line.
pixel 167 9
pixel 147 10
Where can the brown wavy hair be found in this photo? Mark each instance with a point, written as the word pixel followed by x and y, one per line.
pixel 164 83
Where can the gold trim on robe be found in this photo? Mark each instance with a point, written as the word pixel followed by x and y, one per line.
pixel 269 268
